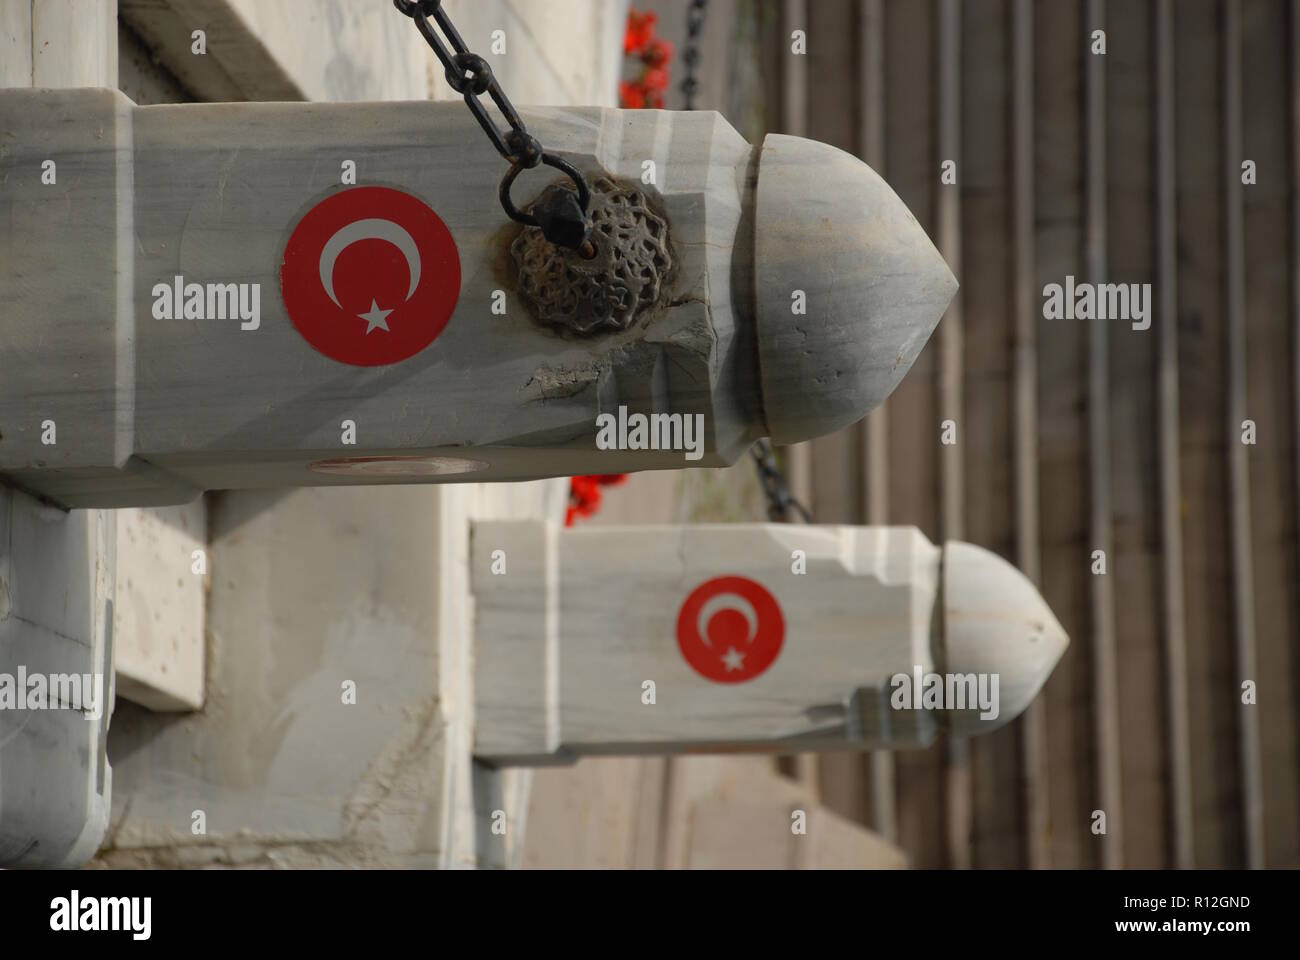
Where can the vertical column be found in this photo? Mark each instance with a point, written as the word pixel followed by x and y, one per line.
pixel 912 159
pixel 794 113
pixel 1034 721
pixel 1060 46
pixel 1294 13
pixel 875 428
pixel 1175 635
pixel 1266 198
pixel 1105 680
pixel 951 480
pixel 798 463
pixel 1202 406
pixel 1252 799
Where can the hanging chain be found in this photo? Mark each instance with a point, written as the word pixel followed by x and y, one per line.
pixel 780 501
pixel 559 214
pixel 699 9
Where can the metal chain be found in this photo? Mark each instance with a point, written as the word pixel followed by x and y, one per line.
pixel 699 9
pixel 780 501
pixel 560 215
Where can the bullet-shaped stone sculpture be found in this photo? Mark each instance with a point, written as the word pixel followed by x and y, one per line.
pixel 643 640
pixel 260 295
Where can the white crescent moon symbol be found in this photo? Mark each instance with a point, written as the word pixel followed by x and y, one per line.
pixel 726 601
pixel 368 230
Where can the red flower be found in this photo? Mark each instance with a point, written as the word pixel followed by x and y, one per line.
pixel 585 495
pixel 658 53
pixel 631 96
pixel 655 54
pixel 640 28
pixel 655 80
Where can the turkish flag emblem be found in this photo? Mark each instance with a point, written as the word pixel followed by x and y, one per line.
pixel 370 276
pixel 730 629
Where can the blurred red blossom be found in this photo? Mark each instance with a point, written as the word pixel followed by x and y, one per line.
pixel 585 495
pixel 654 55
pixel 640 30
pixel 631 96
pixel 655 80
pixel 658 53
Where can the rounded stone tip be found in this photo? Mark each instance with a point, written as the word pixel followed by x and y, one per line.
pixel 997 627
pixel 848 287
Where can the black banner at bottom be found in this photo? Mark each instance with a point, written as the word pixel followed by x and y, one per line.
pixel 228 908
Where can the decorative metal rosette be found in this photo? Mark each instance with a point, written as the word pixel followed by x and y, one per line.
pixel 611 289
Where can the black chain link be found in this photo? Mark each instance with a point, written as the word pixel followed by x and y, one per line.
pixel 564 221
pixel 695 16
pixel 780 501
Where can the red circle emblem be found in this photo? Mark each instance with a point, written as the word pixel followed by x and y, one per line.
pixel 730 629
pixel 370 276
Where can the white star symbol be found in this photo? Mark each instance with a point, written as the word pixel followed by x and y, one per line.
pixel 376 318
pixel 733 659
